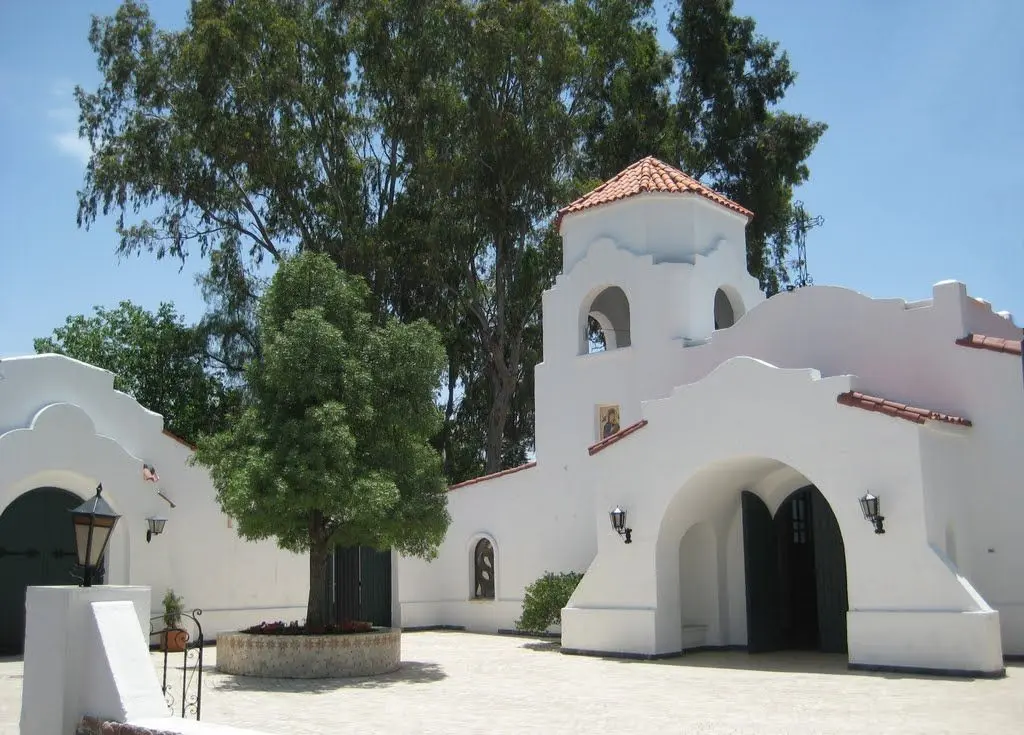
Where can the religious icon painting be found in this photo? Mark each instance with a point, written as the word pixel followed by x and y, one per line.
pixel 607 420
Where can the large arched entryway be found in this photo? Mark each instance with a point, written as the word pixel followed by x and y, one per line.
pixel 795 567
pixel 37 547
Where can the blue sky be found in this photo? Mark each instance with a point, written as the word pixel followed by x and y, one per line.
pixel 919 176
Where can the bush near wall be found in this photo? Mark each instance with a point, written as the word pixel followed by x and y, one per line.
pixel 544 600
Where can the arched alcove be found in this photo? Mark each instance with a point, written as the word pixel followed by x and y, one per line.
pixel 778 570
pixel 483 570
pixel 698 582
pixel 728 307
pixel 606 323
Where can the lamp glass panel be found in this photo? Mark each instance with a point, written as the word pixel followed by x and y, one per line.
pixel 869 506
pixel 101 528
pixel 81 540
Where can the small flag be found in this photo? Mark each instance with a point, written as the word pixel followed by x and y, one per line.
pixel 149 474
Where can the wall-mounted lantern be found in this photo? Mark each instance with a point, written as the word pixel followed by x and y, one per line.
pixel 156 527
pixel 94 522
pixel 618 518
pixel 870 507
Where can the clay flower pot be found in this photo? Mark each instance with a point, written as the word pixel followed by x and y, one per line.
pixel 175 641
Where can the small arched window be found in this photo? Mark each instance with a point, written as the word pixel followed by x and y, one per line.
pixel 724 316
pixel 728 307
pixel 606 324
pixel 483 570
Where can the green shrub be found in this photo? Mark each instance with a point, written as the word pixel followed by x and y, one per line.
pixel 545 598
pixel 174 606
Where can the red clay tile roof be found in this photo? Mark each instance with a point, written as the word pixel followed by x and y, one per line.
pixel 648 175
pixel 898 410
pixel 179 440
pixel 509 471
pixel 995 344
pixel 609 440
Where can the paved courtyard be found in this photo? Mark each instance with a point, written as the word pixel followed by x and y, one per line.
pixel 458 682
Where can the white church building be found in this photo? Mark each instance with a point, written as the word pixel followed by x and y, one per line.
pixel 740 435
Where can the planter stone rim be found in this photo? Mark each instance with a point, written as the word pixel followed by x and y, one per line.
pixel 319 656
pixel 329 636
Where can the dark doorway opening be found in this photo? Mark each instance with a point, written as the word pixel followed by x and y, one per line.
pixel 361 585
pixel 795 567
pixel 37 547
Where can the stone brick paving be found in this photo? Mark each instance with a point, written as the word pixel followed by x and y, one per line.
pixel 462 683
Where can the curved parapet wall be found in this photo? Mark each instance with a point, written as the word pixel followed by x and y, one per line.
pixel 310 656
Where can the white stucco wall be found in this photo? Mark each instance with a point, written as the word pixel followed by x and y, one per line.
pixel 528 516
pixel 785 430
pixel 62 425
pixel 671 228
pixel 750 407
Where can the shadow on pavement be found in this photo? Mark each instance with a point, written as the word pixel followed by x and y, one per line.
pixel 412 672
pixel 783 662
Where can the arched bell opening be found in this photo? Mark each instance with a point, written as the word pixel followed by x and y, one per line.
pixel 606 322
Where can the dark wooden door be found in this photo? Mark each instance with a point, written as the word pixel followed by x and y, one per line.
pixel 362 585
pixel 346 583
pixel 830 576
pixel 375 575
pixel 761 564
pixel 37 547
pixel 799 600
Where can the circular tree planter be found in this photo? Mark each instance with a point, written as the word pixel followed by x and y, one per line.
pixel 310 656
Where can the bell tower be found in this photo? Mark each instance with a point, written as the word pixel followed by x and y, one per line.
pixel 694 243
pixel 654 260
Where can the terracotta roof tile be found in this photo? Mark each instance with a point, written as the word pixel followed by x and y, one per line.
pixel 995 344
pixel 618 436
pixel 648 175
pixel 493 475
pixel 178 439
pixel 897 410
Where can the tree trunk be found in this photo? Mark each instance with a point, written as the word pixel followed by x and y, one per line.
pixel 316 606
pixel 449 413
pixel 497 417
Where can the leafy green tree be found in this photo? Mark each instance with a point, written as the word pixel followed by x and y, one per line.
pixel 620 98
pixel 425 146
pixel 729 131
pixel 333 447
pixel 488 178
pixel 156 358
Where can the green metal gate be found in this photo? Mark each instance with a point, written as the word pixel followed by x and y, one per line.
pixel 37 547
pixel 362 585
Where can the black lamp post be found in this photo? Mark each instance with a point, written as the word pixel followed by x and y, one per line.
pixel 618 518
pixel 869 506
pixel 94 522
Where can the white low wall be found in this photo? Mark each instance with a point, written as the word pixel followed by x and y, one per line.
pixel 72 654
pixel 87 654
pixel 948 642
